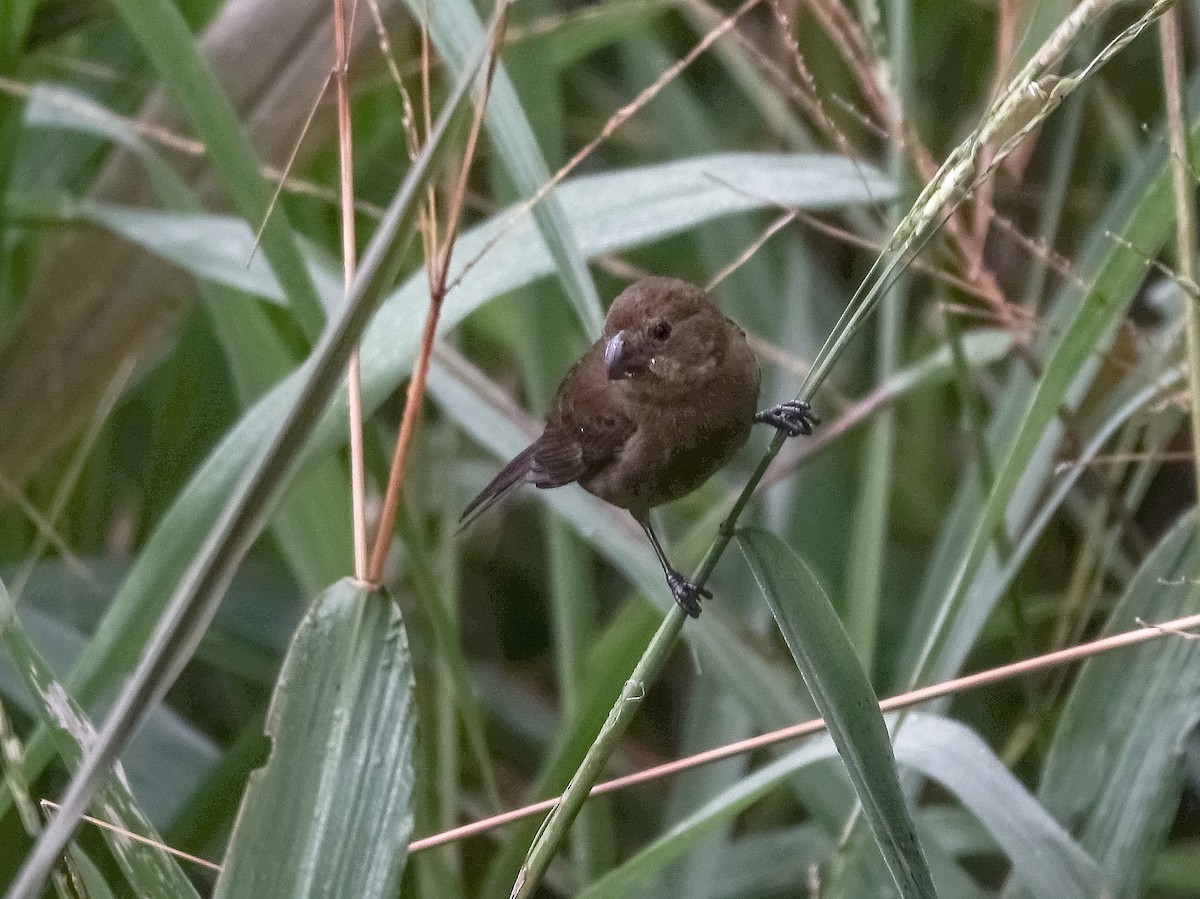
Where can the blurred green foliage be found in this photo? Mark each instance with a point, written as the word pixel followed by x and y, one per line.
pixel 120 373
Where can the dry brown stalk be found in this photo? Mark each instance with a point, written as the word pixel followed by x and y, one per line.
pixel 437 266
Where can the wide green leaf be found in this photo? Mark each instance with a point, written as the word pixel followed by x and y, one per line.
pixel 841 691
pixel 609 212
pixel 330 813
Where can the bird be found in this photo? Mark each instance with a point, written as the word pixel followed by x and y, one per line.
pixel 659 402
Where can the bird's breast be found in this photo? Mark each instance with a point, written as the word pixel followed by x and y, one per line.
pixel 674 449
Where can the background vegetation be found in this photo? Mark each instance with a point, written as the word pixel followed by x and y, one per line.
pixel 1005 468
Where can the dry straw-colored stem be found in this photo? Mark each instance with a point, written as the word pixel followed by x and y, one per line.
pixel 138 838
pixel 358 515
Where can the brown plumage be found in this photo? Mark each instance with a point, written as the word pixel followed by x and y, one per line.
pixel 662 400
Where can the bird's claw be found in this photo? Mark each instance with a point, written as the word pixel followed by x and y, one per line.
pixel 686 593
pixel 793 418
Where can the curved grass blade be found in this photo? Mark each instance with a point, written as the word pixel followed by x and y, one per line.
pixel 330 813
pixel 608 212
pixel 841 691
pixel 1042 853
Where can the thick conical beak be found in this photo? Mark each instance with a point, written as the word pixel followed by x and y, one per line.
pixel 622 358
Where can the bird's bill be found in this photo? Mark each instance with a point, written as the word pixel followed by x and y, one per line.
pixel 623 357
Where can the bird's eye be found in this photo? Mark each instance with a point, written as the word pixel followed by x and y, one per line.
pixel 662 331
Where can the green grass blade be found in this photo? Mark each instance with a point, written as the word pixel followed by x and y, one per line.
pixel 1115 768
pixel 839 687
pixel 1041 852
pixel 608 212
pixel 1026 431
pixel 330 814
pixel 164 37
pixel 149 870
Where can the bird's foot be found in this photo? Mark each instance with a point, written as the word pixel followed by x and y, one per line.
pixel 793 418
pixel 686 593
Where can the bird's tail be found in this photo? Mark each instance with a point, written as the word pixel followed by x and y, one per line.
pixel 512 476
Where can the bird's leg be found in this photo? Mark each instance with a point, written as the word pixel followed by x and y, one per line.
pixel 685 592
pixel 793 418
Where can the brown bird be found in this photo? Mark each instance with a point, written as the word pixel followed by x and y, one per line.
pixel 654 407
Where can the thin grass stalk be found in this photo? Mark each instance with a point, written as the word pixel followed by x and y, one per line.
pixel 195 600
pixel 558 823
pixel 341 67
pixel 1029 99
pixel 1185 211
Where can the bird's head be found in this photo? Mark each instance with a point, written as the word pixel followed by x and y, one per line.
pixel 665 333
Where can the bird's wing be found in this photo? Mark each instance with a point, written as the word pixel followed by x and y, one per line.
pixel 579 446
pixel 585 431
pixel 557 458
